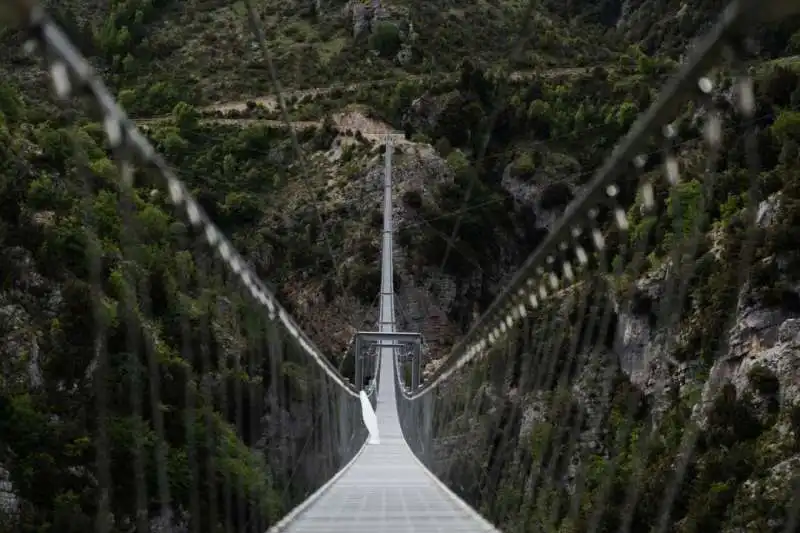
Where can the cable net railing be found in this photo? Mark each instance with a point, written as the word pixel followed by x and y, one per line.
pixel 627 378
pixel 165 363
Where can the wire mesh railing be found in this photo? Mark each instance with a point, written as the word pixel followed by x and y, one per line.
pixel 175 392
pixel 617 383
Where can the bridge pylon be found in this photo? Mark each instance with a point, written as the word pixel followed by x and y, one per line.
pixel 407 347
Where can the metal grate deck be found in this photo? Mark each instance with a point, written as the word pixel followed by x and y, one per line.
pixel 386 489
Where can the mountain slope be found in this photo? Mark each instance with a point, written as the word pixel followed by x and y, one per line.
pixel 312 230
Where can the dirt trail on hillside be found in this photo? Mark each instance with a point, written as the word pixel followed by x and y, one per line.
pixel 270 102
pixel 298 124
pixel 350 120
pixel 353 120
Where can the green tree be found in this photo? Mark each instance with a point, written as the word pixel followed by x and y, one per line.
pixel 385 39
pixel 186 117
pixel 11 104
pixel 457 161
pixel 787 126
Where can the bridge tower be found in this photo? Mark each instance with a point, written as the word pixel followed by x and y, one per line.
pixel 408 349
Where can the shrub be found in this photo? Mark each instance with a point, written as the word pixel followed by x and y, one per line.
pixel 763 379
pixel 457 161
pixel 376 219
pixel 444 147
pixel 412 199
pixel 524 167
pixel 365 282
pixel 794 417
pixel 420 138
pixel 556 195
pixel 385 39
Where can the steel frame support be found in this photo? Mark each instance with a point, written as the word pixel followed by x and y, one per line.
pixel 366 364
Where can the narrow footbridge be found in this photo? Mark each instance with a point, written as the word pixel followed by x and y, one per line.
pixel 385 487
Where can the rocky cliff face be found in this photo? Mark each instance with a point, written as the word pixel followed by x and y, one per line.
pixel 754 379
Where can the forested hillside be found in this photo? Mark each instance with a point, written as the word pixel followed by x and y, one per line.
pixel 523 133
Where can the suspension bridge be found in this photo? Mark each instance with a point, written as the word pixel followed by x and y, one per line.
pixel 383 454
